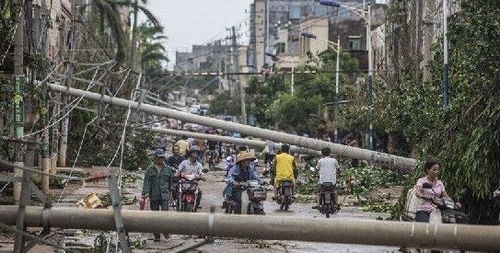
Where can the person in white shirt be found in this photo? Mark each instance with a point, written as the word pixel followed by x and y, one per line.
pixel 329 169
pixel 192 166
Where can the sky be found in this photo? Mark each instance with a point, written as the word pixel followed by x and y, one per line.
pixel 189 22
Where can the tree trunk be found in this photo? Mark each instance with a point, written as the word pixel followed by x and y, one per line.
pixel 71 66
pixel 133 44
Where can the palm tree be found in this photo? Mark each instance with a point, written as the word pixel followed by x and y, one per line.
pixel 108 13
pixel 152 49
pixel 135 5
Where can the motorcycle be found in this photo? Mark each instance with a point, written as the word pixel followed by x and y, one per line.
pixel 187 192
pixel 448 209
pixel 256 194
pixel 328 203
pixel 285 195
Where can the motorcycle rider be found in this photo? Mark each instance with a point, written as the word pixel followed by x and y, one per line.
pixel 329 169
pixel 174 161
pixel 284 168
pixel 157 184
pixel 428 195
pixel 192 166
pixel 239 174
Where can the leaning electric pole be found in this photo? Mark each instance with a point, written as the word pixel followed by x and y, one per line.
pixel 18 100
pixel 21 190
pixel 237 80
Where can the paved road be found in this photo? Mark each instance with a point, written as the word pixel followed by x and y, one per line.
pixel 212 190
pixel 212 196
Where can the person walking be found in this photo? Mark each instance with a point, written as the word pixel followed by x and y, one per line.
pixel 157 184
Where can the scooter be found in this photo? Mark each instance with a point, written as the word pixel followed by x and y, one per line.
pixel 448 210
pixel 285 195
pixel 328 203
pixel 256 194
pixel 188 192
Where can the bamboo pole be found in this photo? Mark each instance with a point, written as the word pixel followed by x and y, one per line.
pixel 388 233
pixel 402 163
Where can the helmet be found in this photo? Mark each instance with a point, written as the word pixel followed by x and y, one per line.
pixel 245 156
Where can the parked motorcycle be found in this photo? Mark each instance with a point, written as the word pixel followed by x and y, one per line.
pixel 328 204
pixel 256 194
pixel 285 195
pixel 188 192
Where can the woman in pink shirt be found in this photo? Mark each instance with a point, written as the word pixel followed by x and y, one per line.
pixel 428 195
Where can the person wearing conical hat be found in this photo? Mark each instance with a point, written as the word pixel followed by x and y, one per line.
pixel 238 175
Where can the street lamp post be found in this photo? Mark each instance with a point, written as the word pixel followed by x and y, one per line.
pixel 445 58
pixel 337 73
pixel 366 15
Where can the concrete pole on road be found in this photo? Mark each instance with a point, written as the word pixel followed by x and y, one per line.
pixel 347 231
pixel 402 163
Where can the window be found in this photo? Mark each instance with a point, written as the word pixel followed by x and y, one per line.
pixel 354 42
pixel 280 47
pixel 294 12
pixel 321 10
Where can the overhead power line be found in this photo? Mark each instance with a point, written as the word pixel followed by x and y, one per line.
pixel 305 72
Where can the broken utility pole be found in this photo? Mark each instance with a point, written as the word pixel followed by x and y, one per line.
pixel 402 163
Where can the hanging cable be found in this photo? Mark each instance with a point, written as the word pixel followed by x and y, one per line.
pixel 83 138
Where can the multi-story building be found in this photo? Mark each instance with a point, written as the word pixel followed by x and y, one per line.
pixel 212 57
pixel 319 27
pixel 270 17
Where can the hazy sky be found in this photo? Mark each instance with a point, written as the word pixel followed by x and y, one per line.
pixel 189 22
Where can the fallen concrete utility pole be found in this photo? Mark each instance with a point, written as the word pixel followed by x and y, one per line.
pixel 403 163
pixel 388 233
pixel 225 139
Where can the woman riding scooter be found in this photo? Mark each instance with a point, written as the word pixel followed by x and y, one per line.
pixel 433 193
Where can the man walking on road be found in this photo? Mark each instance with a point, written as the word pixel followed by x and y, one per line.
pixel 157 183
